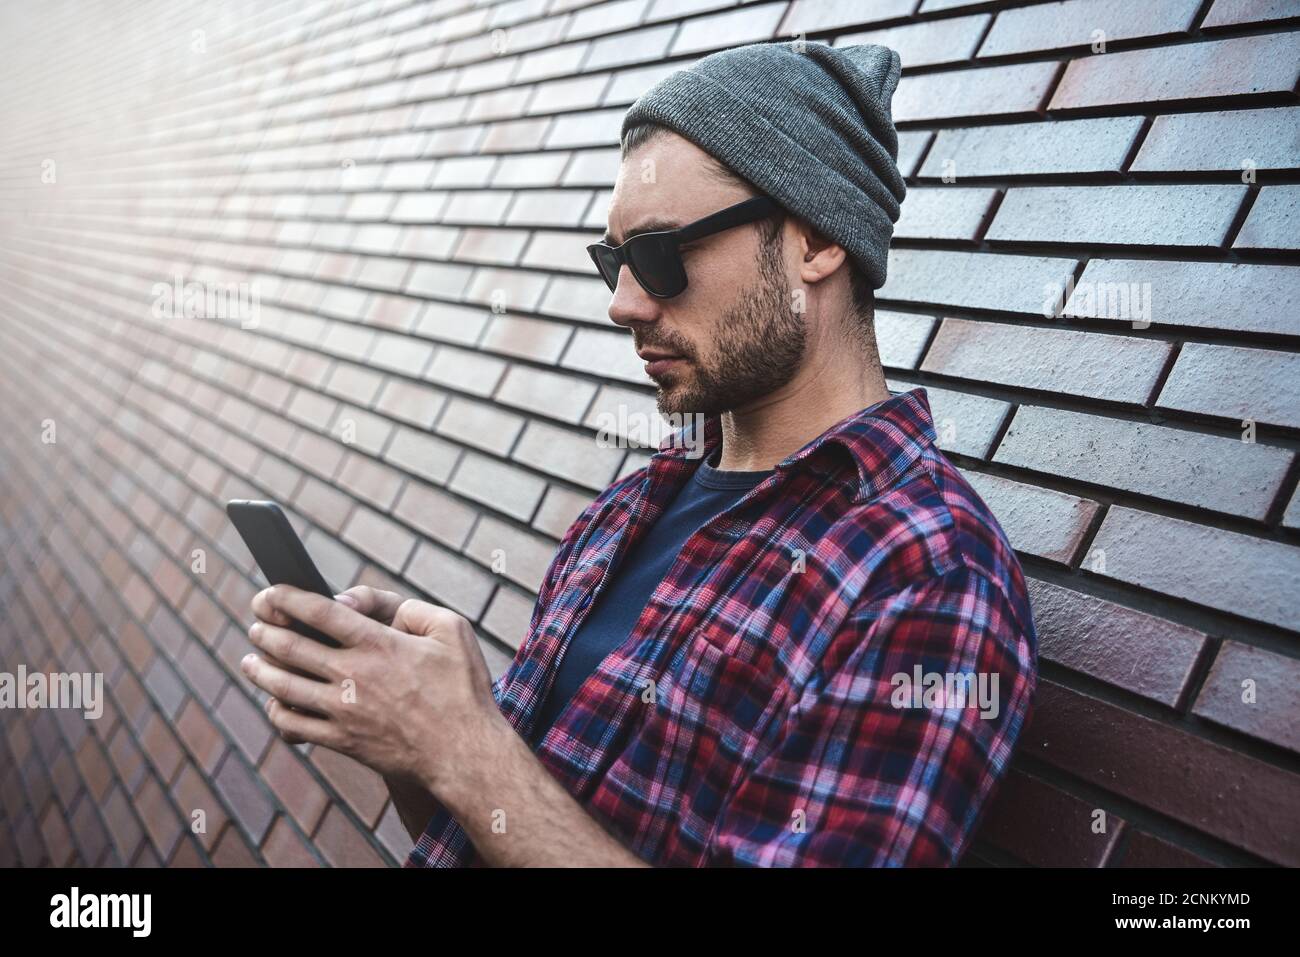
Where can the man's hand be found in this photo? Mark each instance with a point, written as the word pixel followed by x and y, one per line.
pixel 372 602
pixel 411 699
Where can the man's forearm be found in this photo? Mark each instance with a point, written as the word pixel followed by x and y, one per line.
pixel 518 815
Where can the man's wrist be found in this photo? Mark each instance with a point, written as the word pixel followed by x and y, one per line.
pixel 491 746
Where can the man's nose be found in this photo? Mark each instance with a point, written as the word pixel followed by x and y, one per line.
pixel 631 305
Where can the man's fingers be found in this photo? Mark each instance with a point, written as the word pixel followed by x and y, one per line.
pixel 289 688
pixel 324 614
pixel 264 611
pixel 296 727
pixel 294 653
pixel 373 602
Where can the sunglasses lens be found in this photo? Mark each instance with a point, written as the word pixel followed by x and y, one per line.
pixel 606 263
pixel 657 264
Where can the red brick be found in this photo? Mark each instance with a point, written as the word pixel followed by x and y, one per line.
pixel 192 794
pixel 57 837
pixel 201 737
pixel 1206 786
pixel 1046 827
pixel 1144 850
pixel 123 826
pixel 363 789
pixel 369 480
pixel 187 854
pixel 284 848
pixel 160 818
pixel 245 721
pixel 233 851
pixel 244 794
pixel 94 768
pixel 163 748
pixel 1122 646
pixel 342 844
pixel 297 789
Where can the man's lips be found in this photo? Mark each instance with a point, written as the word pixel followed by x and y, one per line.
pixel 657 363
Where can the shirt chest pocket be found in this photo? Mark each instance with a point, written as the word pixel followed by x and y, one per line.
pixel 699 736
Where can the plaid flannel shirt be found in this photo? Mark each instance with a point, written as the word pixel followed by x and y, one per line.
pixel 753 714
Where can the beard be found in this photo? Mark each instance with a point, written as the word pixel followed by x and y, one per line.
pixel 758 348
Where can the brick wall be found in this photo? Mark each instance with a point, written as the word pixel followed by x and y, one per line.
pixel 379 171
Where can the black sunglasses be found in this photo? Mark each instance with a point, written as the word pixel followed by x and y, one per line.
pixel 655 258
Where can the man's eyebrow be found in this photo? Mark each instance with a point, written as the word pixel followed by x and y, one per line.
pixel 649 226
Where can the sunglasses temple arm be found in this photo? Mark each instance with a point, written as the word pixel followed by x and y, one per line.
pixel 745 212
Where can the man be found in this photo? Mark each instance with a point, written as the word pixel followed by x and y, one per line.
pixel 765 655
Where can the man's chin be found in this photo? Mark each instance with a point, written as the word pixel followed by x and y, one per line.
pixel 675 398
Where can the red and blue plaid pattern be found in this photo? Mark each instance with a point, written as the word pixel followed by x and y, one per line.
pixel 751 716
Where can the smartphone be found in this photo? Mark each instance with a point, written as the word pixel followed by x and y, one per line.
pixel 280 554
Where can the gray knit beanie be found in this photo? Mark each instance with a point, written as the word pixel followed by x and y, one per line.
pixel 806 123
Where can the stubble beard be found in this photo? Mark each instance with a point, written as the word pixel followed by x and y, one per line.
pixel 759 345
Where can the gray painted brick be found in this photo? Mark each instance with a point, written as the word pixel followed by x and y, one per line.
pixel 1019 149
pixel 1238 297
pixel 1117 368
pixel 1039 521
pixel 1256 384
pixel 974 280
pixel 1130 215
pixel 1263 139
pixel 1239 574
pixel 1051 26
pixel 1223 474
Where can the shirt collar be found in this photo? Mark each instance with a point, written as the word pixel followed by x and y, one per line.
pixel 882 440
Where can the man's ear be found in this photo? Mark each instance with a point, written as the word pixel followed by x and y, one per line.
pixel 821 256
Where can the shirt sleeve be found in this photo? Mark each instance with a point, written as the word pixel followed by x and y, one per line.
pixel 870 769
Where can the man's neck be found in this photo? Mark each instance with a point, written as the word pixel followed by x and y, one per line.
pixel 830 386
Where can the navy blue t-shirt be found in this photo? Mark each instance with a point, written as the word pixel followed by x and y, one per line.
pixel 610 621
